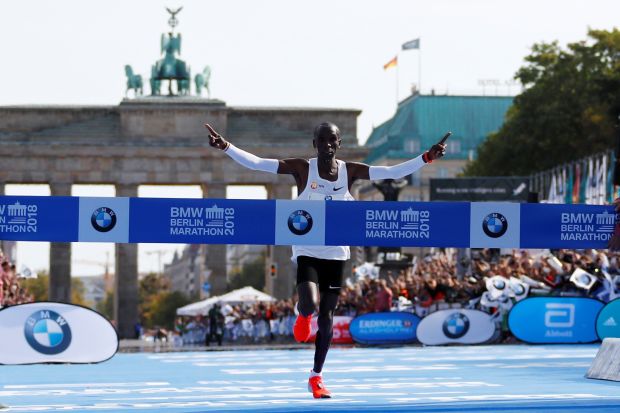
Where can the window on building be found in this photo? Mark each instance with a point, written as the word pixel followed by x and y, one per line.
pixel 454 146
pixel 442 172
pixel 412 145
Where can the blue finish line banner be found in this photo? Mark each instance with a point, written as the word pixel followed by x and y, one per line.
pixel 288 222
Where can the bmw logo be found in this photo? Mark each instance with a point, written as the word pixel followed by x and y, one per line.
pixel 456 325
pixel 47 332
pixel 499 284
pixel 495 225
pixel 300 222
pixel 103 219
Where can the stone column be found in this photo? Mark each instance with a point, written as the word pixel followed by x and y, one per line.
pixel 215 258
pixel 126 278
pixel 283 284
pixel 60 257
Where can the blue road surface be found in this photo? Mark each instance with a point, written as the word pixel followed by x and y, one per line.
pixel 506 378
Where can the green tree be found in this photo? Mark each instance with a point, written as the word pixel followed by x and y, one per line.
pixel 77 292
pixel 251 274
pixel 38 287
pixel 164 307
pixel 106 306
pixel 567 111
pixel 148 290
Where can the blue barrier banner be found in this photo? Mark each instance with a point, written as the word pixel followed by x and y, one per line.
pixel 39 218
pixel 549 320
pixel 49 332
pixel 384 328
pixel 456 326
pixel 608 320
pixel 398 224
pixel 288 222
pixel 566 226
pixel 202 221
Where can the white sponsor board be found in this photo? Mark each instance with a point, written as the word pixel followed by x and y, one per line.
pixel 456 326
pixel 48 332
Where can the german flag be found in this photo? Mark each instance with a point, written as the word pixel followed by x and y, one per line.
pixel 391 63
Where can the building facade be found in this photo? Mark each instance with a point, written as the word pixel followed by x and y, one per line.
pixel 420 121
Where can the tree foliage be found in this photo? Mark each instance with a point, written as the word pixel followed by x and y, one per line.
pixel 568 110
pixel 251 274
pixel 39 287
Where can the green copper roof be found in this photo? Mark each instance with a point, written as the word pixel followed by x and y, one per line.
pixel 420 121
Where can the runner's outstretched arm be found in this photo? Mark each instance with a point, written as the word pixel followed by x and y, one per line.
pixel 251 161
pixel 359 170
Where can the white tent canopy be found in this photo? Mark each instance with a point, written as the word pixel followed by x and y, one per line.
pixel 245 295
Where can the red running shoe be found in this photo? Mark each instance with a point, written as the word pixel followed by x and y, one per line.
pixel 301 329
pixel 317 388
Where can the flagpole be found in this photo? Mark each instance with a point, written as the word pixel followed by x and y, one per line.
pixel 396 81
pixel 420 70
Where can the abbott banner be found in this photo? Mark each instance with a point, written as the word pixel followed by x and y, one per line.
pixel 48 332
pixel 456 326
pixel 384 328
pixel 549 320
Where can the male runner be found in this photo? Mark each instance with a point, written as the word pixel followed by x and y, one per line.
pixel 320 268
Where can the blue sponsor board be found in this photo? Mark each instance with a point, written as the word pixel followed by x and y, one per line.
pixel 39 218
pixel 549 320
pixel 566 226
pixel 608 321
pixel 431 224
pixel 202 221
pixel 384 328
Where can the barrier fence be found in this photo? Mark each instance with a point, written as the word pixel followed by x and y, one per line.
pixel 288 222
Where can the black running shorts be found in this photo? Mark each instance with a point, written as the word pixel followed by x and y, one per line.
pixel 327 274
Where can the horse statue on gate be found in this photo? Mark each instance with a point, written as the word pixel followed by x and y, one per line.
pixel 202 80
pixel 183 84
pixel 134 82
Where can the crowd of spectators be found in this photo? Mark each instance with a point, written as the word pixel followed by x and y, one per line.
pixel 492 281
pixel 11 290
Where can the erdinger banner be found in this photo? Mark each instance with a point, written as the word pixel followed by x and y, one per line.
pixel 316 222
pixel 385 328
pixel 456 326
pixel 48 332
pixel 608 320
pixel 341 330
pixel 548 320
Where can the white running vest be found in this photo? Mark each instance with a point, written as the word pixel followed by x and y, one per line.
pixel 320 189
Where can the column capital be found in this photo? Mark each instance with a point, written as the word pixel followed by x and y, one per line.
pixel 128 190
pixel 214 190
pixel 279 191
pixel 58 188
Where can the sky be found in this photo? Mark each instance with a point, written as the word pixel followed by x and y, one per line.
pixel 324 53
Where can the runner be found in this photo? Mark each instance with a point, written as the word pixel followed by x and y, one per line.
pixel 320 268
